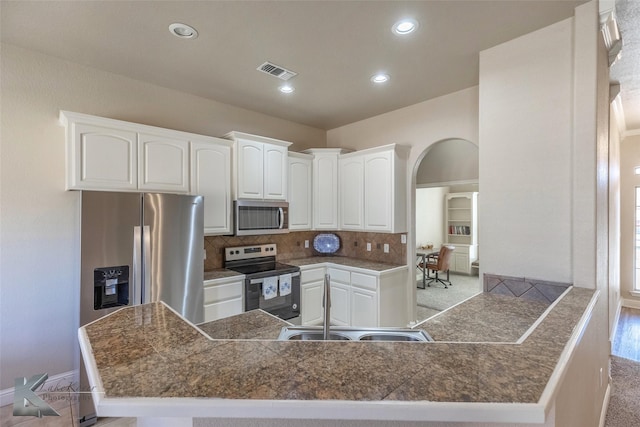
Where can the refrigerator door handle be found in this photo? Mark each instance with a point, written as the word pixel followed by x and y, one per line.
pixel 137 265
pixel 146 266
pixel 141 265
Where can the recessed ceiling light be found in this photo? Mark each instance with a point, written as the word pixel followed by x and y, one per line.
pixel 183 31
pixel 405 26
pixel 286 89
pixel 380 78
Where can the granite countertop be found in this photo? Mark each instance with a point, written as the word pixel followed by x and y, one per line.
pixel 255 324
pixel 346 261
pixel 220 273
pixel 150 351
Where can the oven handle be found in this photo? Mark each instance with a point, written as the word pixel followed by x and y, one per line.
pixel 254 281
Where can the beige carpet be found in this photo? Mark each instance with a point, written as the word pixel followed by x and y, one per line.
pixel 624 404
pixel 436 298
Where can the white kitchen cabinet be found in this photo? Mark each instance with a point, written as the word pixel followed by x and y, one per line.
pixel 163 163
pixel 462 229
pixel 373 190
pixel 340 295
pixel 300 191
pixel 211 178
pixel 325 187
pixel 385 189
pixel 260 167
pixel 364 307
pixel 114 155
pixel 351 172
pixel 223 298
pixel 311 293
pixel 340 307
pixel 359 297
pixel 100 155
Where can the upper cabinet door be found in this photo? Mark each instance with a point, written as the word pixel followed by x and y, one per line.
pixel 379 192
pixel 101 158
pixel 164 164
pixel 211 178
pixel 275 172
pixel 250 169
pixel 325 192
pixel 300 172
pixel 351 192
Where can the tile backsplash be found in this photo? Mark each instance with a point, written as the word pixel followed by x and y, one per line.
pixel 524 287
pixel 291 245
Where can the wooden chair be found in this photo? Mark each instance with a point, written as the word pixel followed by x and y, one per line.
pixel 440 263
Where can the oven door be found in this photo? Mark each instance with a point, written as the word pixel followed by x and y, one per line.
pixel 284 307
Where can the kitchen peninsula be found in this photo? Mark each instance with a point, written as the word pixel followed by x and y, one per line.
pixel 148 362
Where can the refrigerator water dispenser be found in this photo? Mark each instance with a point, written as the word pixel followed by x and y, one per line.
pixel 110 287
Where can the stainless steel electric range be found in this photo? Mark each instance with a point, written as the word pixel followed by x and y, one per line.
pixel 269 285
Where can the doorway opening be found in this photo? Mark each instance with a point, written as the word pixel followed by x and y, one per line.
pixel 446 194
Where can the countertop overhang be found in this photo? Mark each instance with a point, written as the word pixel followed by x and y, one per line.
pixel 146 361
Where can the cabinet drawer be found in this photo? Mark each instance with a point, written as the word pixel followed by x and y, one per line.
pixel 461 249
pixel 364 281
pixel 339 275
pixel 222 309
pixel 222 292
pixel 312 275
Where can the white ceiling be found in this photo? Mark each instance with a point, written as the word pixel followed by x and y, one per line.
pixel 626 70
pixel 334 46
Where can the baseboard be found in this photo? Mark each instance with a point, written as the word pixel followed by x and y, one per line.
pixel 60 380
pixel 605 405
pixel 631 303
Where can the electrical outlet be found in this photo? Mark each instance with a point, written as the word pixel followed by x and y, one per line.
pixel 205 255
pixel 306 243
pixel 386 248
pixel 369 246
pixel 403 239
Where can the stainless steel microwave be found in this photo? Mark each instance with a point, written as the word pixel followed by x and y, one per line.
pixel 252 217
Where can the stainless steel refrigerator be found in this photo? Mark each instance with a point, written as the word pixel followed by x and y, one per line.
pixel 138 248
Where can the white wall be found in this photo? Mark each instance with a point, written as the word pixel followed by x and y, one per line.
pixel 39 233
pixel 525 157
pixel 430 216
pixel 454 160
pixel 629 160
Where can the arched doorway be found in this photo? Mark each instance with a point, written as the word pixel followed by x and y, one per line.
pixel 445 173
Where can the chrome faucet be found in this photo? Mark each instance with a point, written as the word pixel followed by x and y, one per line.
pixel 326 303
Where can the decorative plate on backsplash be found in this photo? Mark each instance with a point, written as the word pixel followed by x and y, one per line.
pixel 326 243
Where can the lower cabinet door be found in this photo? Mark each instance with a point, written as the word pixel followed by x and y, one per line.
pixel 461 263
pixel 311 303
pixel 222 299
pixel 364 307
pixel 340 304
pixel 222 309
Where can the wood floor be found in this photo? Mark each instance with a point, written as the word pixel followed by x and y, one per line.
pixel 626 343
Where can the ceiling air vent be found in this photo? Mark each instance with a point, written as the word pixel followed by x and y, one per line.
pixel 276 70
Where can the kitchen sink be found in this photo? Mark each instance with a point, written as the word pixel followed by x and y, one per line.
pixel 315 336
pixel 343 333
